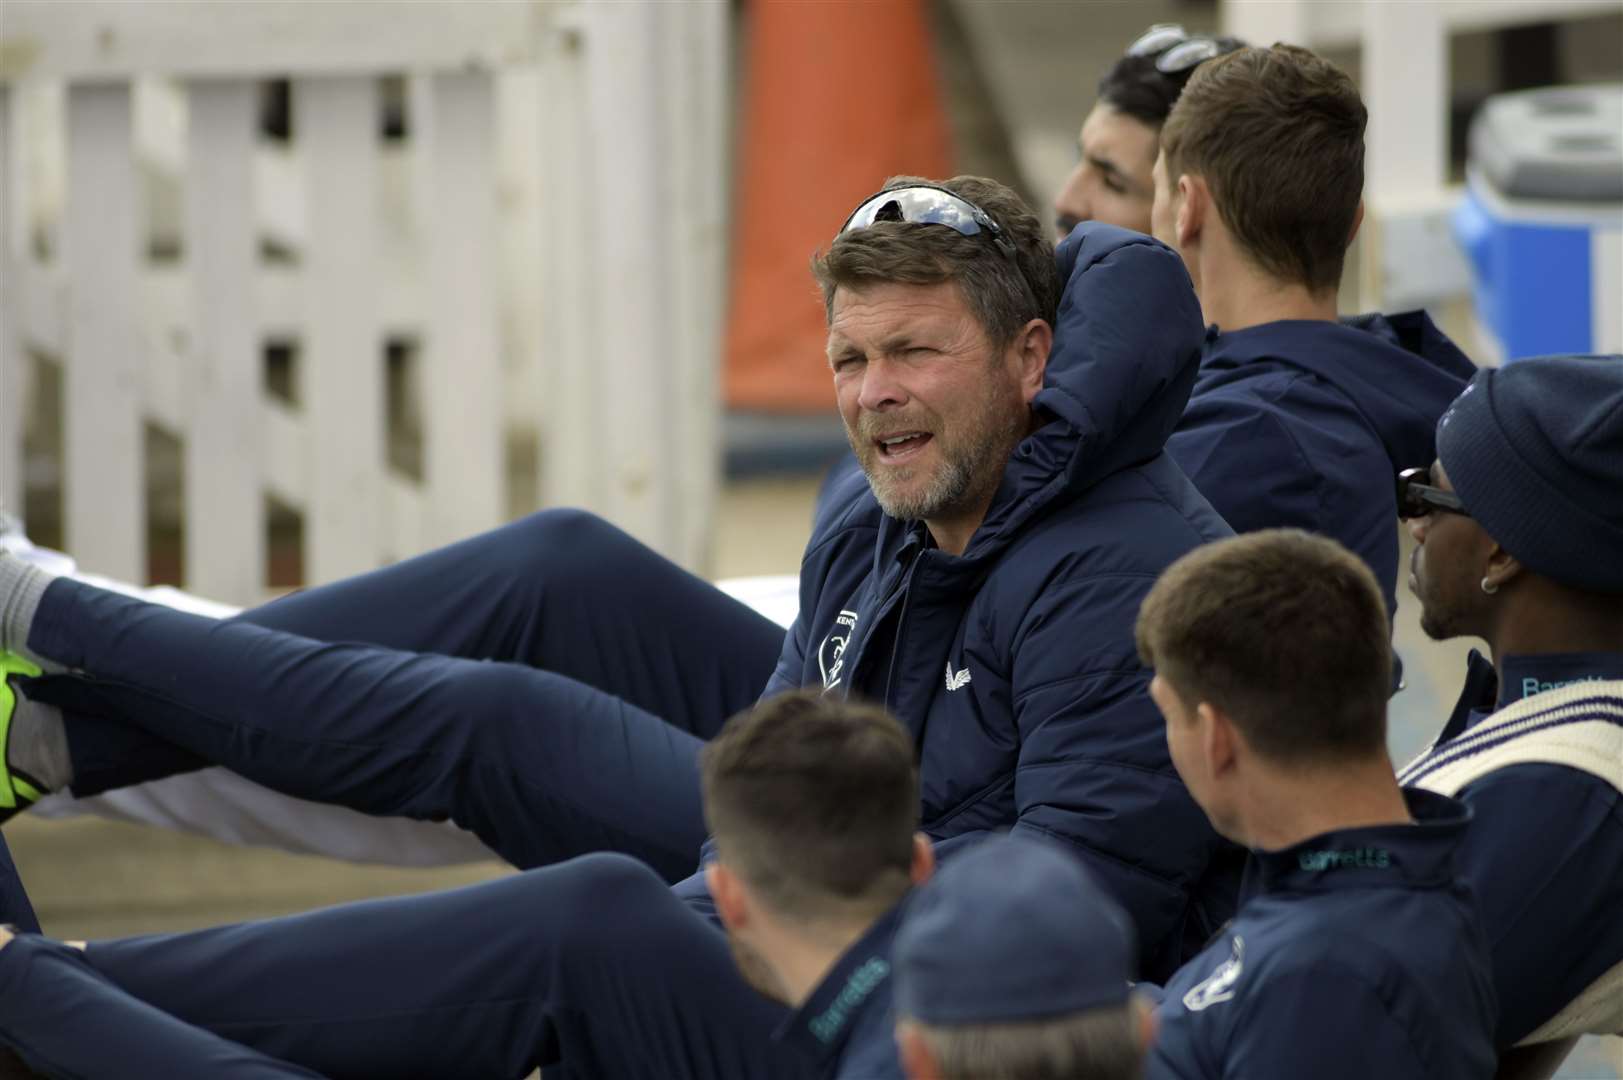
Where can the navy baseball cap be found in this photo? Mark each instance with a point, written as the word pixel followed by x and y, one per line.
pixel 1012 929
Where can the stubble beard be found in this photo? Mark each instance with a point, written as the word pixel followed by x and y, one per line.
pixel 970 468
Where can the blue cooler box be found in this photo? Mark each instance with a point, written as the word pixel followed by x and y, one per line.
pixel 1542 220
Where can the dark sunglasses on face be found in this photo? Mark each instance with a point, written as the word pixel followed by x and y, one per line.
pixel 927 204
pixel 1176 50
pixel 1416 498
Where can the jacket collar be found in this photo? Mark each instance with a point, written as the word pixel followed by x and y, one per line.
pixel 1525 675
pixel 857 985
pixel 1418 855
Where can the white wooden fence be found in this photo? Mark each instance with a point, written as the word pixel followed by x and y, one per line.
pixel 551 235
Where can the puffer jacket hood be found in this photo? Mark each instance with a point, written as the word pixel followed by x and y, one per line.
pixel 1399 371
pixel 1305 424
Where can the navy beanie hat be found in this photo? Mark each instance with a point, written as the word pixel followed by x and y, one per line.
pixel 1012 929
pixel 1535 452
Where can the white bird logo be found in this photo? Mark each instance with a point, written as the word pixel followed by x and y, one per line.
pixel 956 680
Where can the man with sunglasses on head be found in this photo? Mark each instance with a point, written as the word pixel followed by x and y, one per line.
pixel 980 581
pixel 1113 179
pixel 1518 527
pixel 1296 420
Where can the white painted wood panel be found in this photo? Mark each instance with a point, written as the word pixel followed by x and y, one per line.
pixel 104 495
pixel 11 332
pixel 462 369
pixel 335 120
pixel 105 39
pixel 224 526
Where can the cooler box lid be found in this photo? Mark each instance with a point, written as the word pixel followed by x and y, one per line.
pixel 1562 142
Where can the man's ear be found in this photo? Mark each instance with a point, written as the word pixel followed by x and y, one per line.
pixel 1219 738
pixel 1194 204
pixel 918 1063
pixel 923 859
pixel 732 903
pixel 1502 569
pixel 1030 350
pixel 1358 222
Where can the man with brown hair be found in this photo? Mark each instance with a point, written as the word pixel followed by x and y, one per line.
pixel 588 969
pixel 1357 953
pixel 979 581
pixel 1296 420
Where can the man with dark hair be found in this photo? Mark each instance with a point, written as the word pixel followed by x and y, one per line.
pixel 1013 963
pixel 1296 420
pixel 1519 541
pixel 1357 952
pixel 590 968
pixel 979 581
pixel 1116 148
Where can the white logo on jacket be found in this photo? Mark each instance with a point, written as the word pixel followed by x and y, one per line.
pixel 956 680
pixel 1219 985
pixel 831 653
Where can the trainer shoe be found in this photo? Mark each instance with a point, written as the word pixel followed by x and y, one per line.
pixel 18 790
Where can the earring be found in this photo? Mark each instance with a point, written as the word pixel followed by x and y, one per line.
pixel 1489 587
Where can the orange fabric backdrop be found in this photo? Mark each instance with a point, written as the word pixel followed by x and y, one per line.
pixel 840 95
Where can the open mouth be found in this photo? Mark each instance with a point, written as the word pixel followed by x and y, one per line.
pixel 901 446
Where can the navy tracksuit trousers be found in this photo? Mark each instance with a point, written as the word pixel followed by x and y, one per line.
pixel 546 685
pixel 591 968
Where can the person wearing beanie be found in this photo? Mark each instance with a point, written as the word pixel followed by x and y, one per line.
pixel 1012 961
pixel 1357 951
pixel 1518 527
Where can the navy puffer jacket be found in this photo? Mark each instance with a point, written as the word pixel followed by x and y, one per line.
pixel 1014 664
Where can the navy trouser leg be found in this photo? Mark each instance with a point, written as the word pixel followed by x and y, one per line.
pixel 539 766
pixel 15 907
pixel 560 590
pixel 66 1020
pixel 593 961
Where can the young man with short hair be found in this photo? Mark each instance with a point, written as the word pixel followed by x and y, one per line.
pixel 590 968
pixel 1296 420
pixel 1519 541
pixel 1012 962
pixel 1357 952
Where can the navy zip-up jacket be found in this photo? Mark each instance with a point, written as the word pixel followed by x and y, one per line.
pixel 1014 664
pixel 1306 424
pixel 1544 853
pixel 1356 954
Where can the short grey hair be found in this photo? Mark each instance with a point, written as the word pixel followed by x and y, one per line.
pixel 1097 1044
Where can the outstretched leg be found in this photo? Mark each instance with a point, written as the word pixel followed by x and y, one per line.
pixel 539 766
pixel 65 1019
pixel 560 590
pixel 591 962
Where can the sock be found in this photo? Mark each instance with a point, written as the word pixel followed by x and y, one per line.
pixel 21 586
pixel 38 742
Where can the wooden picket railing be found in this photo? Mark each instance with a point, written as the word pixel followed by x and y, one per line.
pixel 548 236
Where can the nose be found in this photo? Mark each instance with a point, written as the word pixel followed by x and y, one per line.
pixel 1071 204
pixel 880 388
